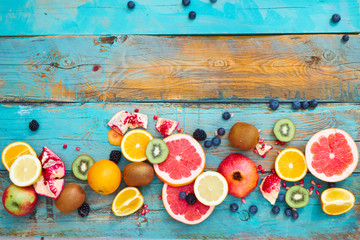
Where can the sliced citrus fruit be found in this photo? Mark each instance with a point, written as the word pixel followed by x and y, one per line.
pixel 134 143
pixel 336 201
pixel 290 165
pixel 127 201
pixel 185 161
pixel 25 171
pixel 15 150
pixel 331 155
pixel 179 209
pixel 211 188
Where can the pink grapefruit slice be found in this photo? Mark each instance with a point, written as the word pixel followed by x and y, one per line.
pixel 186 160
pixel 179 209
pixel 331 155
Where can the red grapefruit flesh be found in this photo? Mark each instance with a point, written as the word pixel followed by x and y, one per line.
pixel 186 160
pixel 179 209
pixel 331 155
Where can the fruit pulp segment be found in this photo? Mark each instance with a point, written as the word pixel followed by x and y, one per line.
pixel 337 195
pixel 211 188
pixel 338 208
pixel 129 205
pixel 135 145
pixel 25 170
pixel 292 164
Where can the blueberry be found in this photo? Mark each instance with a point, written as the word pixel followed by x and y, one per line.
pixel 295 215
pixel 226 115
pixel 296 105
pixel 332 184
pixel 186 2
pixel 313 103
pixel 221 131
pixel 234 207
pixel 281 197
pixel 182 195
pixel 345 38
pixel 190 198
pixel 336 18
pixel 192 15
pixel 253 209
pixel 274 104
pixel 213 1
pixel 216 141
pixel 207 143
pixel 288 212
pixel 275 209
pixel 131 4
pixel 304 104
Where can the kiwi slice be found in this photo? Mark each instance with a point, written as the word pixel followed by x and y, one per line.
pixel 156 151
pixel 81 165
pixel 297 197
pixel 284 130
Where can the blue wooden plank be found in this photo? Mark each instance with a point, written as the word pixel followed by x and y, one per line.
pixel 26 17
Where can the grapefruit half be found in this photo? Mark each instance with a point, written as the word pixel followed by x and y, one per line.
pixel 331 155
pixel 186 160
pixel 179 209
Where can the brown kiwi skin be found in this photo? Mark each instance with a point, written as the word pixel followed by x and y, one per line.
pixel 244 136
pixel 138 174
pixel 72 197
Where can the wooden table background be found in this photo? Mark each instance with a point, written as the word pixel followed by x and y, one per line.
pixel 71 65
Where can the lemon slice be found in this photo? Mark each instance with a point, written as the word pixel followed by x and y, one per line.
pixel 15 150
pixel 127 201
pixel 25 171
pixel 211 188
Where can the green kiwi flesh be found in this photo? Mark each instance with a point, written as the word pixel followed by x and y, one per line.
pixel 284 130
pixel 297 197
pixel 81 166
pixel 156 151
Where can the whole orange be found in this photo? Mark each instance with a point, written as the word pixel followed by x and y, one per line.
pixel 104 177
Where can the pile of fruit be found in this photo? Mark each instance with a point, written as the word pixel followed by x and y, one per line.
pixel 189 193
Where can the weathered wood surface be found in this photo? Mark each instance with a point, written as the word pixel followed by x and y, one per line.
pixel 41 17
pixel 184 69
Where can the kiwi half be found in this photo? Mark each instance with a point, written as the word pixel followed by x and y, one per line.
pixel 297 197
pixel 284 130
pixel 156 151
pixel 81 165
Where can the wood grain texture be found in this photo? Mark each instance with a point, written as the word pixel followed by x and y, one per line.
pixel 41 17
pixel 180 69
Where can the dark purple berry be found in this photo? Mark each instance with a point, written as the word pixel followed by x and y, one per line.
pixel 288 212
pixel 221 131
pixel 336 18
pixel 131 4
pixel 191 198
pixel 253 209
pixel 115 156
pixel 84 210
pixel 34 125
pixel 234 207
pixel 274 104
pixel 275 209
pixel 295 215
pixel 182 195
pixel 207 143
pixel 226 115
pixel 199 134
pixel 186 2
pixel 345 38
pixel 216 141
pixel 192 15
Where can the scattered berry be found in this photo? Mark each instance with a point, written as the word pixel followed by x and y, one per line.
pixel 213 1
pixel 282 143
pixel 115 156
pixel 275 209
pixel 216 141
pixel 65 145
pixel 273 171
pixel 296 105
pixel 313 103
pixel 190 198
pixel 243 200
pixel 317 192
pixel 186 2
pixel 278 152
pixel 263 171
pixel 336 18
pixel 96 68
pixel 147 210
pixel 281 197
pixel 288 212
pixel 318 185
pixel 312 182
pixel 259 167
pixel 295 215
pixel 301 184
pixel 234 207
pixel 311 188
pixel 310 192
pixel 226 115
pixel 304 104
pixel 274 104
pixel 182 195
pixel 207 143
pixel 253 209
pixel 155 117
pixel 131 4
pixel 84 210
pixel 143 212
pixel 145 206
pixel 332 184
pixel 301 181
pixel 77 149
pixel 179 130
pixel 136 110
pixel 221 131
pixel 277 142
pixel 192 15
pixel 199 134
pixel 159 197
pixel 34 125
pixel 345 38
pixel 262 140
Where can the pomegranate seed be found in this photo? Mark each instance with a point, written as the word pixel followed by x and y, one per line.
pixel 136 110
pixel 159 197
pixel 311 188
pixel 295 184
pixel 261 140
pixel 273 171
pixel 96 68
pixel 216 133
pixel 145 205
pixel 262 178
pixel 155 117
pixel 263 146
pixel 259 167
pixel 301 181
pixel 147 210
pixel 294 209
pixel 277 142
pixel 287 188
pixel 143 212
pixel 232 115
pixel 317 192
pixel 243 200
pixel 278 152
pixel 311 192
pixel 312 182
pixel 259 130
pixel 263 156
pixel 282 143
pixel 284 184
pixel 301 184
pixel 65 145
pixel 263 170
pixel 179 129
pixel 318 185
pixel 77 148
pixel 255 150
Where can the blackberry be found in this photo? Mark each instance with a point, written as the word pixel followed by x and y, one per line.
pixel 199 134
pixel 190 198
pixel 115 156
pixel 234 207
pixel 34 125
pixel 84 210
pixel 182 195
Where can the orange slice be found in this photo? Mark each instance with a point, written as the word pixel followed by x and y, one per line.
pixel 336 201
pixel 127 201
pixel 211 188
pixel 290 165
pixel 25 171
pixel 134 143
pixel 14 151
